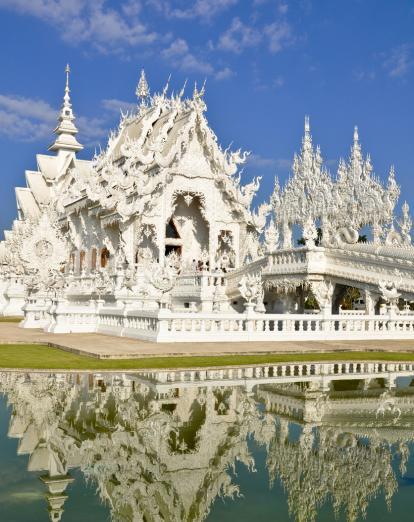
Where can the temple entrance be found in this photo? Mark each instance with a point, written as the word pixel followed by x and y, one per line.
pixel 187 232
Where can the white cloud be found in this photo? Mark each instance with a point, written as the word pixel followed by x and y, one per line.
pixel 224 74
pixel 26 107
pixel 16 127
pixel 278 34
pixel 106 28
pixel 239 36
pixel 180 56
pixel 177 48
pixel 283 7
pixel 25 119
pixel 399 61
pixel 203 9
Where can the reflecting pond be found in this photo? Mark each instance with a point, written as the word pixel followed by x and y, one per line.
pixel 208 445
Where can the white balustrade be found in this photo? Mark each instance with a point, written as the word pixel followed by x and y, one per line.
pixel 167 326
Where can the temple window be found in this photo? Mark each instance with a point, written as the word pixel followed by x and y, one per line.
pixel 93 259
pixel 81 260
pixel 104 257
pixel 72 261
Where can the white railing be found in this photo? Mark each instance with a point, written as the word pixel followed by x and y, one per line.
pixel 201 279
pixel 287 257
pixel 167 326
pixel 282 327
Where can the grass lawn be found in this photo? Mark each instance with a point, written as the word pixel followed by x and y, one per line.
pixel 44 357
pixel 10 319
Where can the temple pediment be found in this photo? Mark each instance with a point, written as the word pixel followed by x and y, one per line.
pixel 193 162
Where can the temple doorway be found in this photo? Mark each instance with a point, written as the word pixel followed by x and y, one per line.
pixel 187 231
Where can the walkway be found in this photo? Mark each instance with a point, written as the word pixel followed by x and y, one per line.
pixel 107 347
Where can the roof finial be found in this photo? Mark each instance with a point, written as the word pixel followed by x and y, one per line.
pixel 66 98
pixel 67 71
pixel 356 150
pixel 356 137
pixel 142 91
pixel 66 129
pixel 307 138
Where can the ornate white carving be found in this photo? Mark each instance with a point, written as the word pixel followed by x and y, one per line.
pixel 103 283
pixel 343 206
pixel 323 291
pixel 250 287
pixel 310 232
pixel 163 279
pixel 389 292
pixel 43 248
pixel 271 237
pixel 347 235
pixel 405 224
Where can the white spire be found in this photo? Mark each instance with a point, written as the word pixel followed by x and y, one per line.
pixel 183 89
pixel 142 91
pixel 307 125
pixel 167 86
pixel 66 130
pixel 356 137
pixel 307 138
pixel 356 154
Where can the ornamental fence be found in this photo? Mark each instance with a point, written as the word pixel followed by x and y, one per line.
pixel 166 326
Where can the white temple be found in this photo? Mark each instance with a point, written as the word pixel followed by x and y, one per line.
pixel 155 238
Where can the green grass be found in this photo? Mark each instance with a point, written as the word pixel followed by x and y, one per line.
pixel 44 357
pixel 11 319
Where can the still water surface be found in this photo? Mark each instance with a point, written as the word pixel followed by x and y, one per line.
pixel 129 447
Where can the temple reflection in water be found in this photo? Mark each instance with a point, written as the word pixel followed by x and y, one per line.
pixel 164 446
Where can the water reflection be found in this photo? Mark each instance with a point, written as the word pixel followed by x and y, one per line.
pixel 160 450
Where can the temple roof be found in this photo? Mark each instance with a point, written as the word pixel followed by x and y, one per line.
pixel 37 184
pixel 156 128
pixel 26 203
pixel 47 165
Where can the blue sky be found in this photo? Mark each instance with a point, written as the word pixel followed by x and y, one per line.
pixel 268 63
